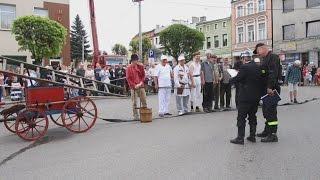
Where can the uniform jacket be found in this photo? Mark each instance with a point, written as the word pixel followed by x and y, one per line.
pixel 250 80
pixel 272 70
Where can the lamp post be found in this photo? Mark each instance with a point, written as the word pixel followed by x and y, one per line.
pixel 140 29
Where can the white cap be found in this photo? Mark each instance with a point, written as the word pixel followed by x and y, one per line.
pixel 163 57
pixel 257 60
pixel 181 57
pixel 297 62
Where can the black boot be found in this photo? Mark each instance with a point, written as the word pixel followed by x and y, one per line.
pixel 252 137
pixel 237 140
pixel 270 138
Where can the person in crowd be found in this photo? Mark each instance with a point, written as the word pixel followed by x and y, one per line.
pixel 97 72
pixel 81 71
pixel 104 75
pixel 216 84
pixel 89 73
pixel 225 86
pixel 135 76
pixel 271 69
pixel 183 81
pixel 151 74
pixel 195 70
pixel 120 76
pixel 162 79
pixel 207 79
pixel 1 85
pixel 317 77
pixel 293 78
pixel 251 84
pixel 313 72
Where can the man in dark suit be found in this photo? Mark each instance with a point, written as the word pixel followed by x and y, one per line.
pixel 250 80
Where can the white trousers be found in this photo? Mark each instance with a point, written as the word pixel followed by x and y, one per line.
pixel 196 92
pixel 164 95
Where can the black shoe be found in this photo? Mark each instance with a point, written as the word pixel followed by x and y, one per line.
pixel 251 139
pixel 295 101
pixel 262 134
pixel 237 140
pixel 168 114
pixel 270 138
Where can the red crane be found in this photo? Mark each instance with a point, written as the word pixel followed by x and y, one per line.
pixel 96 52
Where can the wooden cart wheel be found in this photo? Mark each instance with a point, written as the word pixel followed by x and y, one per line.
pixel 79 114
pixel 31 124
pixel 10 121
pixel 57 119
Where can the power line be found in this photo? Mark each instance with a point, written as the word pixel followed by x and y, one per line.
pixel 230 7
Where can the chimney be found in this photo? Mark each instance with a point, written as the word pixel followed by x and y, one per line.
pixel 203 19
pixel 195 20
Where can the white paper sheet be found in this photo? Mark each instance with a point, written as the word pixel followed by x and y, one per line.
pixel 233 73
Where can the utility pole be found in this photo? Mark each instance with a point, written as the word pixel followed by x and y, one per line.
pixel 140 32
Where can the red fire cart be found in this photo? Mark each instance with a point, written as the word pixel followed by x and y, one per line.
pixel 77 114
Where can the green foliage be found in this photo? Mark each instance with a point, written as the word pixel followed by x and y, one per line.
pixel 146 46
pixel 78 32
pixel 119 49
pixel 178 39
pixel 43 37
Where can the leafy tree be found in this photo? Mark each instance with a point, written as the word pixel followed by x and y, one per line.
pixel 146 46
pixel 78 34
pixel 178 39
pixel 119 49
pixel 43 37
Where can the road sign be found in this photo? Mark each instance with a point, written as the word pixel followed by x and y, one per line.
pixel 151 54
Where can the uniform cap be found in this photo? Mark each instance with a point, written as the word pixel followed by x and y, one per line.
pixel 163 57
pixel 181 57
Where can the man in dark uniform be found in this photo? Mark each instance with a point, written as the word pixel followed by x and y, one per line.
pixel 271 68
pixel 250 86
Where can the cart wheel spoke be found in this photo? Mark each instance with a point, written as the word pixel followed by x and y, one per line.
pixel 85 122
pixel 37 130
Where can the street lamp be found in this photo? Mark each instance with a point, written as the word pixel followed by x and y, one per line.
pixel 140 31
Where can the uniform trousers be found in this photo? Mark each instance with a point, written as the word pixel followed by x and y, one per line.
pixel 225 94
pixel 196 92
pixel 270 113
pixel 207 95
pixel 164 95
pixel 182 103
pixel 247 109
pixel 216 93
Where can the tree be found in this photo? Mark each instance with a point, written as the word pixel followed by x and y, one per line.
pixel 146 46
pixel 119 49
pixel 79 34
pixel 178 39
pixel 43 37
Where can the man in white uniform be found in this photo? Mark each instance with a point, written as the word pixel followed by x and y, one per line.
pixel 182 81
pixel 163 75
pixel 195 70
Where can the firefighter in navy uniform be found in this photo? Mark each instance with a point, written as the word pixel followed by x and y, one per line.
pixel 250 82
pixel 271 68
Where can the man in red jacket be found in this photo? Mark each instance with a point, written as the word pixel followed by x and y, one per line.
pixel 135 75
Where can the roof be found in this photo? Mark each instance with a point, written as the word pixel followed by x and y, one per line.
pixel 214 21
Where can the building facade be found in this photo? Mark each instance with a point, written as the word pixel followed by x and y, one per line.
pixel 57 10
pixel 296 30
pixel 217 35
pixel 251 24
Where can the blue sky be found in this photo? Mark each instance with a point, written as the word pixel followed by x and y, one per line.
pixel 117 21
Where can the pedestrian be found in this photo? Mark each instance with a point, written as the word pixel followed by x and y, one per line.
pixel 250 80
pixel 313 73
pixel 207 79
pixel 135 76
pixel 104 75
pixel 195 70
pixel 183 81
pixel 271 68
pixel 293 78
pixel 162 79
pixel 120 76
pixel 81 71
pixel 216 84
pixel 225 86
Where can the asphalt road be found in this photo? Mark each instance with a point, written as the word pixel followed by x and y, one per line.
pixel 188 147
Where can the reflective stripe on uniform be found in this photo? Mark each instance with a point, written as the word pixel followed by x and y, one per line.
pixel 263 71
pixel 274 123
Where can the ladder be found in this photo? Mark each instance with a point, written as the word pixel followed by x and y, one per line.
pixel 18 68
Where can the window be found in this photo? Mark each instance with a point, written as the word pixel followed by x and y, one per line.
pixel 313 3
pixel 200 29
pixel 41 12
pixel 208 42
pixel 224 24
pixel 7 15
pixel 250 8
pixel 216 41
pixel 240 34
pixel 288 5
pixel 225 40
pixel 240 11
pixel 261 5
pixel 215 26
pixel 313 28
pixel 208 28
pixel 156 40
pixel 250 33
pixel 288 32
pixel 262 31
